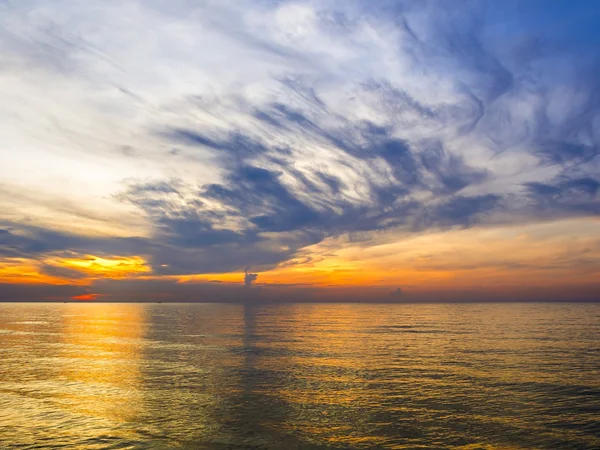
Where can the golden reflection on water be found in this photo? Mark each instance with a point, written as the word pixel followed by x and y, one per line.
pixel 100 355
pixel 73 373
pixel 296 376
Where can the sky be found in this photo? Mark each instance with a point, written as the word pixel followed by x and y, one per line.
pixel 330 150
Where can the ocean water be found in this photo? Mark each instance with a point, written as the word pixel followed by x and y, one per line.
pixel 226 376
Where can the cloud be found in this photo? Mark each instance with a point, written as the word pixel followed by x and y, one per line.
pixel 62 272
pixel 249 278
pixel 27 241
pixel 303 121
pixel 576 196
pixel 396 293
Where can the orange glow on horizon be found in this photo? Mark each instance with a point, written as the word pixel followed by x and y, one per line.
pixel 476 258
pixel 86 297
pixel 25 271
pixel 543 255
pixel 80 271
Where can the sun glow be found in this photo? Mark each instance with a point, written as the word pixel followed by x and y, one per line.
pixel 95 266
pixel 74 271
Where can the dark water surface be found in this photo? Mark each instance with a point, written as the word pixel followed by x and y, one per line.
pixel 199 376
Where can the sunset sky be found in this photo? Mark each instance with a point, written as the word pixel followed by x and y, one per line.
pixel 299 150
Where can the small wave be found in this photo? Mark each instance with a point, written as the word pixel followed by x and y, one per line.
pixel 31 322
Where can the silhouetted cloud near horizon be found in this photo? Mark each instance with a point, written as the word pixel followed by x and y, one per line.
pixel 249 278
pixel 396 293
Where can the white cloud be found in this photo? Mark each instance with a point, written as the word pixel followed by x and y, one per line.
pixel 89 91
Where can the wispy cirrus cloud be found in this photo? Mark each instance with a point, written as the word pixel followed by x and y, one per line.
pixel 235 134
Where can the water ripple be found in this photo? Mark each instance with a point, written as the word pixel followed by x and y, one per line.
pixel 136 376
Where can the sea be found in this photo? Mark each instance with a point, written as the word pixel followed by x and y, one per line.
pixel 300 376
